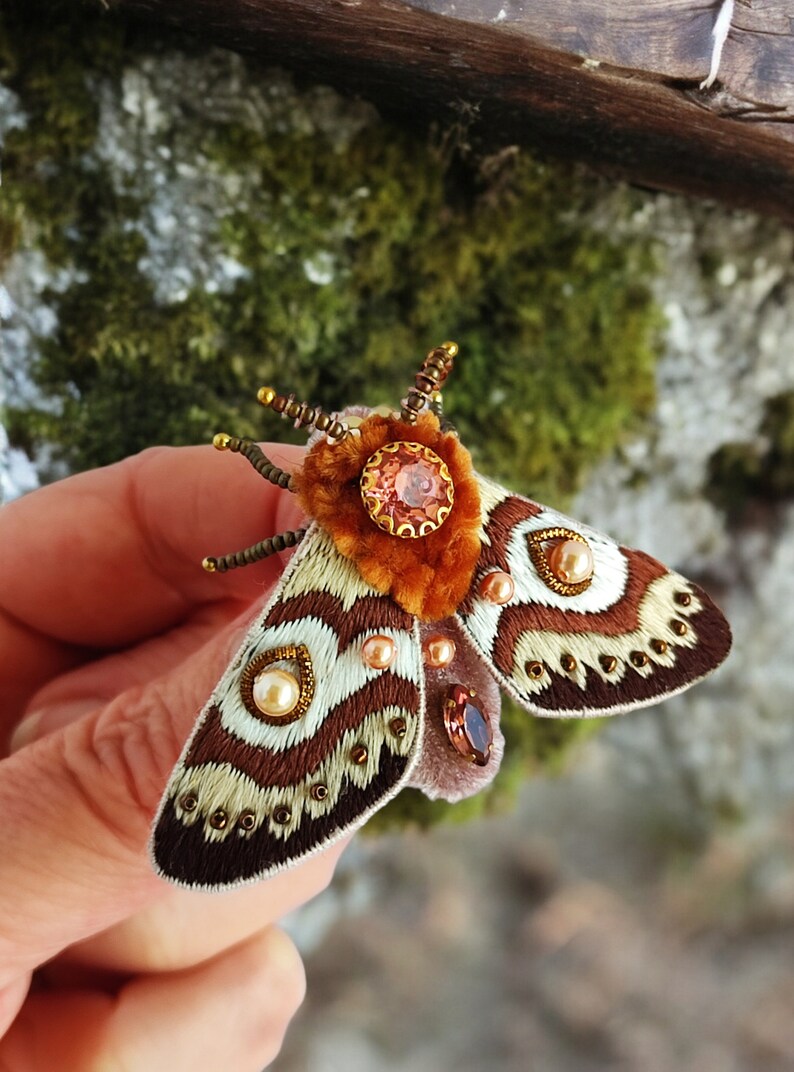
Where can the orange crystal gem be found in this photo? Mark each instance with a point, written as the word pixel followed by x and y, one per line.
pixel 407 489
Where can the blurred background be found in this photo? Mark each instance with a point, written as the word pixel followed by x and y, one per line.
pixel 180 224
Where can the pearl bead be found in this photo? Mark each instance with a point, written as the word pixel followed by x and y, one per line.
pixel 276 692
pixel 438 651
pixel 379 652
pixel 571 561
pixel 497 587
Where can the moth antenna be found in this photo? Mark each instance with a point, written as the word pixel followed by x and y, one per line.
pixel 257 457
pixel 271 546
pixel 304 415
pixel 427 382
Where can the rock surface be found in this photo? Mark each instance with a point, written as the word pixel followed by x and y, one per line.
pixel 637 912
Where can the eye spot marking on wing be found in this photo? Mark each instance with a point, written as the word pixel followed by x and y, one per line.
pixel 563 559
pixel 271 692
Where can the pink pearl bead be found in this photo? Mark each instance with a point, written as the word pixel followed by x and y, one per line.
pixel 438 651
pixel 571 561
pixel 497 587
pixel 379 652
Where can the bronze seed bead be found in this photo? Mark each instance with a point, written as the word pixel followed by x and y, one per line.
pixel 608 663
pixel 219 819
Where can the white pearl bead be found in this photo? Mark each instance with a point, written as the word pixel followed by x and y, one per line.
pixel 276 692
pixel 571 561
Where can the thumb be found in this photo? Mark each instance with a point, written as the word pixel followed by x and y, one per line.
pixel 77 805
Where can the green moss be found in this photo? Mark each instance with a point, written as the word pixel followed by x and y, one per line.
pixel 740 473
pixel 532 745
pixel 557 329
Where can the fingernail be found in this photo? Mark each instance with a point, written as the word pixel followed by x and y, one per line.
pixel 39 723
pixel 26 731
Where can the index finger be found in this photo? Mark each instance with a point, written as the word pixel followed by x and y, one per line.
pixel 108 557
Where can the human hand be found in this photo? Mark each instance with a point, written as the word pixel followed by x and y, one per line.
pixel 111 639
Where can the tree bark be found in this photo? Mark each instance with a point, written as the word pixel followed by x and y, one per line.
pixel 615 83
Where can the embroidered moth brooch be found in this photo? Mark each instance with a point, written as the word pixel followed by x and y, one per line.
pixel 417 591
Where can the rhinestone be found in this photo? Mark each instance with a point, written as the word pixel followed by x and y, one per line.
pixel 407 489
pixel 467 725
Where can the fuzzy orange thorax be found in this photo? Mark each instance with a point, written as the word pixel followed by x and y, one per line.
pixel 428 576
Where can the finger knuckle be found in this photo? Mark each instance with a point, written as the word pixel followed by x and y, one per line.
pixel 121 762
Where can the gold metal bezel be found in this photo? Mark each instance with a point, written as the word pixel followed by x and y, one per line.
pixel 406 531
pixel 298 652
pixel 535 541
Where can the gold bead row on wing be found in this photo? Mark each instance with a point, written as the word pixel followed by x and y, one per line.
pixel 535 669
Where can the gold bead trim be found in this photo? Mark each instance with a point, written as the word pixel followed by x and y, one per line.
pixel 219 819
pixel 535 541
pixel 373 506
pixel 298 652
pixel 247 821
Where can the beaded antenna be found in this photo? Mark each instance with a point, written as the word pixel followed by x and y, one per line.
pixel 418 590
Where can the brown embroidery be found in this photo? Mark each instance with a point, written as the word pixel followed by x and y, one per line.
pixel 622 617
pixel 367 613
pixel 267 767
pixel 714 641
pixel 184 852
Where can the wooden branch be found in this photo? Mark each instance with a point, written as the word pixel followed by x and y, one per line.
pixel 615 83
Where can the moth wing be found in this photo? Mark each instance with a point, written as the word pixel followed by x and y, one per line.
pixel 637 633
pixel 249 797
